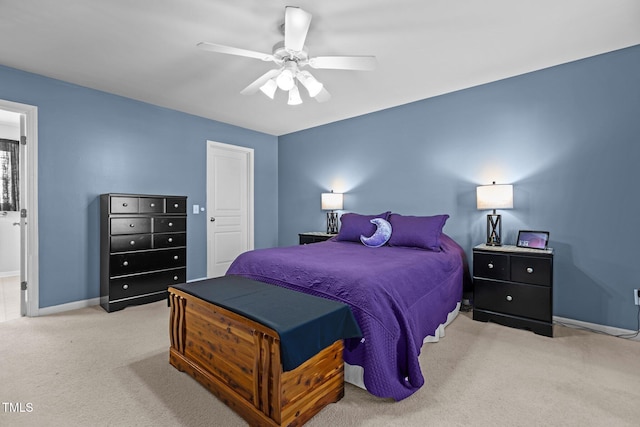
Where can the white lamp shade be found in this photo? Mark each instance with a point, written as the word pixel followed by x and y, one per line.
pixel 494 196
pixel 294 96
pixel 332 201
pixel 285 80
pixel 269 88
pixel 312 85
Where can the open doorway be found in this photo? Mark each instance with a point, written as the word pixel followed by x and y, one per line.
pixel 18 211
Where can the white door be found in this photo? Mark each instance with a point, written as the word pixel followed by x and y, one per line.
pixel 27 218
pixel 229 205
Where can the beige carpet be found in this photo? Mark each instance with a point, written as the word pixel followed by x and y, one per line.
pixel 92 368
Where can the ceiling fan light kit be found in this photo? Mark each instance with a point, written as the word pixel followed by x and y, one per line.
pixel 291 56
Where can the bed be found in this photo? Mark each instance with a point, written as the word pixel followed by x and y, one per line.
pixel 400 293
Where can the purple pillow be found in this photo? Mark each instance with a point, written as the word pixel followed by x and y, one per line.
pixel 353 225
pixel 417 231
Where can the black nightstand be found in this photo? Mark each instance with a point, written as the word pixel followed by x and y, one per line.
pixel 314 237
pixel 514 287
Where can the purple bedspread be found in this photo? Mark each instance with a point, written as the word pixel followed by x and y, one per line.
pixel 398 296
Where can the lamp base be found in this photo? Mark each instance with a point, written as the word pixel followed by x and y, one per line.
pixel 494 230
pixel 332 223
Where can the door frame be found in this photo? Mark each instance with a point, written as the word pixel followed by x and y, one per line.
pixel 31 115
pixel 249 154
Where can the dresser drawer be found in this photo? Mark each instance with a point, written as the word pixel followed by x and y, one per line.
pixel 151 205
pixel 176 205
pixel 536 271
pixel 168 224
pixel 124 205
pixel 130 225
pixel 169 240
pixel 491 266
pixel 138 262
pixel 529 301
pixel 133 286
pixel 132 242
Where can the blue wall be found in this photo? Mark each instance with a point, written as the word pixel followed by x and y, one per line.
pixel 566 137
pixel 91 142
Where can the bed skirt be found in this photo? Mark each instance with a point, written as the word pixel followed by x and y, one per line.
pixel 354 374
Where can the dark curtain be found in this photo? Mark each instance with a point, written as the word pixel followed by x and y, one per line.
pixel 9 175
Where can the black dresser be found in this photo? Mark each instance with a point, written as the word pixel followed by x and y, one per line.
pixel 514 287
pixel 143 248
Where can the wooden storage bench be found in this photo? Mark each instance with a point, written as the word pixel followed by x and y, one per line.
pixel 240 360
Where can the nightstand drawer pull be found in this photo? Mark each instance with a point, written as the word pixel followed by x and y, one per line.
pixel 529 270
pixel 125 286
pixel 125 263
pixel 133 242
pixel 175 278
pixel 509 298
pixel 175 257
pixel 132 225
pixel 490 265
pixel 170 240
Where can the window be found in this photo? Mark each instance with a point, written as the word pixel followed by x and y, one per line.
pixel 9 175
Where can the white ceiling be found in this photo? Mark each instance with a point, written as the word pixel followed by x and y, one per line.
pixel 146 49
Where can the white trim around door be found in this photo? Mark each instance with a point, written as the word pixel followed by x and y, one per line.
pixel 30 113
pixel 229 230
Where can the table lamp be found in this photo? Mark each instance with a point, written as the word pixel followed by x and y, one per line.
pixel 331 202
pixel 494 197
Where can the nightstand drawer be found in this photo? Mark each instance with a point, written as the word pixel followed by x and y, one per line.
pixel 314 237
pixel 516 299
pixel 491 266
pixel 536 271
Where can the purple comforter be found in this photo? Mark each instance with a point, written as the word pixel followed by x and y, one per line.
pixel 398 296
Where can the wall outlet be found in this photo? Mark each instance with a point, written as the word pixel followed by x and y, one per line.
pixel 636 296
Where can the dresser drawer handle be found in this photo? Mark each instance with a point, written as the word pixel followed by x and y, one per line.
pixel 175 257
pixel 175 278
pixel 125 205
pixel 153 205
pixel 490 265
pixel 125 263
pixel 133 242
pixel 509 298
pixel 175 205
pixel 125 286
pixel 132 225
pixel 529 270
pixel 170 224
pixel 170 240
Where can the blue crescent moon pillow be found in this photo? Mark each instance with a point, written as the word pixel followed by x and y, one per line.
pixel 380 236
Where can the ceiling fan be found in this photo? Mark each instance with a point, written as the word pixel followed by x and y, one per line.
pixel 291 57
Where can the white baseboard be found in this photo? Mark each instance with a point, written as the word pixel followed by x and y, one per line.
pixel 54 309
pixel 609 330
pixel 77 304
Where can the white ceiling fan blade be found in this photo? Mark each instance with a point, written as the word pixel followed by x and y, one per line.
pixel 213 47
pixel 296 26
pixel 323 96
pixel 364 63
pixel 253 87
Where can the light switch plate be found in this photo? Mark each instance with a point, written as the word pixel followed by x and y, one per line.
pixel 196 209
